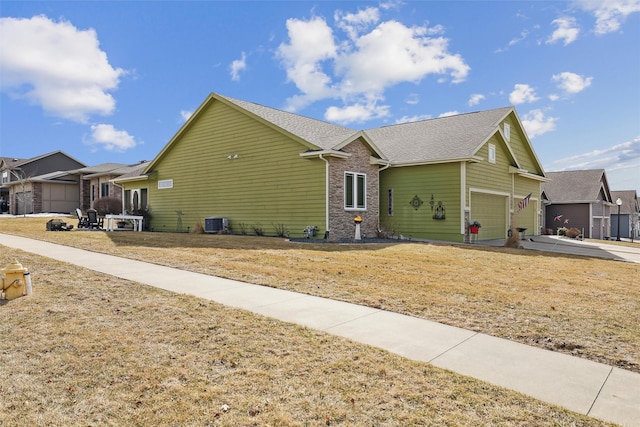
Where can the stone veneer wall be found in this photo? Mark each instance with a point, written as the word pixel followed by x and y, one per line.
pixel 341 223
pixel 36 197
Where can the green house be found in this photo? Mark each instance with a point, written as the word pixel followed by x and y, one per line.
pixel 256 170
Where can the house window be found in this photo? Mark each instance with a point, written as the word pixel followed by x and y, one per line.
pixel 507 131
pixel 104 189
pixel 5 177
pixel 492 153
pixel 165 183
pixel 93 192
pixel 127 200
pixel 390 202
pixel 355 185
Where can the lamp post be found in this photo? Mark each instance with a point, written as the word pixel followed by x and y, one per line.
pixel 619 203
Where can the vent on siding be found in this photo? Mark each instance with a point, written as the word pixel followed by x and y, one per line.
pixel 215 224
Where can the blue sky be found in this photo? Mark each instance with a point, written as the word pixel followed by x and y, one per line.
pixel 113 81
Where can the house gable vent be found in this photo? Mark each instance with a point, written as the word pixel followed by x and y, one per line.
pixel 215 224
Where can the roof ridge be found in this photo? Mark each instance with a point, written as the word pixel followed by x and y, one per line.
pixel 442 118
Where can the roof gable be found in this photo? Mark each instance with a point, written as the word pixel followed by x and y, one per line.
pixel 436 140
pixel 310 133
pixel 577 186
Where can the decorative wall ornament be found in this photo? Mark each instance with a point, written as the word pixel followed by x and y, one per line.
pixel 416 202
pixel 440 211
pixel 432 202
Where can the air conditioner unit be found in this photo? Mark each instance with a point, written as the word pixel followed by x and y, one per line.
pixel 215 224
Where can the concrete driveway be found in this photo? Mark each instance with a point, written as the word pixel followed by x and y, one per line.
pixel 591 248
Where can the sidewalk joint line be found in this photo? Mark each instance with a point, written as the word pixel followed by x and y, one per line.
pixel 600 391
pixel 451 348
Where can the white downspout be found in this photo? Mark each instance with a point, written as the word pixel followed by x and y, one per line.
pixel 326 208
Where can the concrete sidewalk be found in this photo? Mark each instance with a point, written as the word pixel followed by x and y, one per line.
pixel 586 387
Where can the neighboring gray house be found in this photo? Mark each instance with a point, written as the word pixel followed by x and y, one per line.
pixel 40 184
pixel 97 182
pixel 629 214
pixel 578 199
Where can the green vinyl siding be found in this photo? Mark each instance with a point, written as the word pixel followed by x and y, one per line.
pixel 521 149
pixel 228 164
pixel 442 181
pixel 490 177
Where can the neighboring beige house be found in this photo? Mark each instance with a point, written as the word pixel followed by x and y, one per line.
pixel 578 199
pixel 97 182
pixel 266 170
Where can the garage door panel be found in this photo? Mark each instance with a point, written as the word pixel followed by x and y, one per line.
pixel 490 211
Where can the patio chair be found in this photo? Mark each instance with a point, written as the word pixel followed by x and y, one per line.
pixel 93 220
pixel 83 221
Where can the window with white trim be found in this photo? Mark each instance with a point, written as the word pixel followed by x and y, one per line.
pixel 355 191
pixel 507 131
pixel 492 153
pixel 104 189
pixel 5 177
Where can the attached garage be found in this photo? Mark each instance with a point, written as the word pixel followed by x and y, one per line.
pixel 492 212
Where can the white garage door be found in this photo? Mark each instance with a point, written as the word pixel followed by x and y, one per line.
pixel 491 211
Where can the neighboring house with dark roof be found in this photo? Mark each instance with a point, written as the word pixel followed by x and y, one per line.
pixel 629 215
pixel 264 168
pixel 40 184
pixel 578 199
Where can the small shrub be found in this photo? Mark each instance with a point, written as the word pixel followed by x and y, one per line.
pixel 572 233
pixel 146 217
pixel 198 228
pixel 562 231
pixel 382 233
pixel 258 230
pixel 243 228
pixel 281 230
pixel 108 205
pixel 513 241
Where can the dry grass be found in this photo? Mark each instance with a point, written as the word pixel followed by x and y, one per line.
pixel 581 306
pixel 89 349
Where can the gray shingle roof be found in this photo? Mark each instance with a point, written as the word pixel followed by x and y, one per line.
pixel 446 138
pixel 629 201
pixel 575 186
pixel 132 171
pixel 321 134
pixel 101 168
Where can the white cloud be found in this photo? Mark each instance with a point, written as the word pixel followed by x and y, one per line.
pixel 363 65
pixel 237 66
pixel 571 82
pixel 567 30
pixel 410 119
pixel 536 123
pixel 522 93
pixel 356 113
pixel 185 115
pixel 110 139
pixel 609 14
pixel 449 113
pixel 310 43
pixel 616 154
pixel 355 23
pixel 413 99
pixel 56 66
pixel 475 99
pixel 621 162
